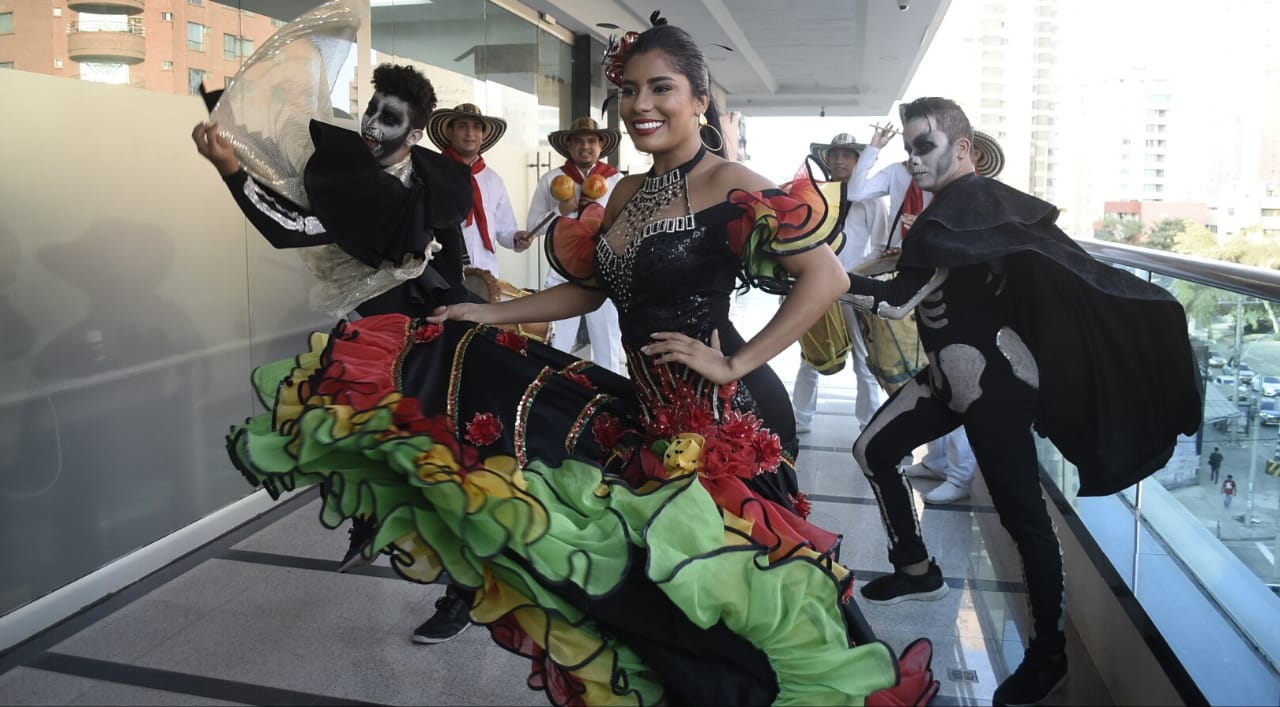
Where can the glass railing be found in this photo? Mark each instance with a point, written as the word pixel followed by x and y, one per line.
pixel 1198 546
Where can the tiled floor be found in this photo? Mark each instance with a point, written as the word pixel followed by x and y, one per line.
pixel 260 617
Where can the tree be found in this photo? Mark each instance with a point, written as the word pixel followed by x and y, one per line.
pixel 1165 234
pixel 1117 229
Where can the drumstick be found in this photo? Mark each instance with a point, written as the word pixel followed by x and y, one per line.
pixel 887 127
pixel 542 223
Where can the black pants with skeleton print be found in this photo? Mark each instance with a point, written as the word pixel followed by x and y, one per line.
pixel 982 377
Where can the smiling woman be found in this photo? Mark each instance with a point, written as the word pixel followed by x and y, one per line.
pixel 644 539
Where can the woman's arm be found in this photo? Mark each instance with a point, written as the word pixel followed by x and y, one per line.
pixel 560 302
pixel 819 281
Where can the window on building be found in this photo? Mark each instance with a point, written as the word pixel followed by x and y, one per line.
pixel 6 64
pixel 166 16
pixel 195 2
pixel 6 23
pixel 230 44
pixel 57 63
pixel 166 66
pixel 246 46
pixel 195 77
pixel 57 12
pixel 226 82
pixel 195 36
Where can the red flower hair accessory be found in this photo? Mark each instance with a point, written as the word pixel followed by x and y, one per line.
pixel 616 54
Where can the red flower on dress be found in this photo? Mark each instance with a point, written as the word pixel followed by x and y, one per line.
pixel 739 428
pixel 581 379
pixel 724 458
pixel 768 449
pixel 514 341
pixel 700 420
pixel 728 390
pixel 803 506
pixel 484 429
pixel 427 333
pixel 607 430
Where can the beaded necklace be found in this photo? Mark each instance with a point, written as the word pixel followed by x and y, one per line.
pixel 652 198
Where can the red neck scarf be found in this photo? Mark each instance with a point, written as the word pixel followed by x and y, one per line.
pixel 601 168
pixel 912 203
pixel 477 199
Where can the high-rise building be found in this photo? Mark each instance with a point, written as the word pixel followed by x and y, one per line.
pixel 162 45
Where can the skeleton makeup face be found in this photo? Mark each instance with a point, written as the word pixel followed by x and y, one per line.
pixel 933 159
pixel 386 130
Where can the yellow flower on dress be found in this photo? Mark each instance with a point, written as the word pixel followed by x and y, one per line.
pixel 684 454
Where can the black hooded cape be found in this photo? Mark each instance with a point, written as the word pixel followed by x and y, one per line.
pixel 1118 381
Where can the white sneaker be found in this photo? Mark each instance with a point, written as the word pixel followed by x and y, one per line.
pixel 946 492
pixel 803 427
pixel 920 471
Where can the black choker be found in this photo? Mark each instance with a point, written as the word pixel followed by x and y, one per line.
pixel 667 180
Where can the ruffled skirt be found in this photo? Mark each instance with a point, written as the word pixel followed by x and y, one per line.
pixel 629 569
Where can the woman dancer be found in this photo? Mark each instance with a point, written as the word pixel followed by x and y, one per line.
pixel 641 541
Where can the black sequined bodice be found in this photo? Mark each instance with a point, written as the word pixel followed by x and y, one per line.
pixel 678 280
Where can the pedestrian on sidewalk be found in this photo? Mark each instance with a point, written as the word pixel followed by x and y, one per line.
pixel 1228 491
pixel 1215 463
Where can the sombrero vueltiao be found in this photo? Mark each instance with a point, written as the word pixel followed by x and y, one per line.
pixel 842 141
pixel 988 158
pixel 494 128
pixel 609 138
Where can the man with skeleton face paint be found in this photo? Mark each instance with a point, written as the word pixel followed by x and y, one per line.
pixel 378 196
pixel 1021 327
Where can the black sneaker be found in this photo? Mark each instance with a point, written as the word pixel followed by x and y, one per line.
pixel 362 531
pixel 1035 679
pixel 900 586
pixel 452 617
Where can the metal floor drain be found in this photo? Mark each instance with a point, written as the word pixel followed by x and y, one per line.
pixel 958 675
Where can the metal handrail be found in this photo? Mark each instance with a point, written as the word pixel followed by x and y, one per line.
pixel 1244 279
pixel 135 27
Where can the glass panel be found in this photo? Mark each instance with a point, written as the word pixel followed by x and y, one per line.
pixel 484 54
pixel 132 314
pixel 1216 528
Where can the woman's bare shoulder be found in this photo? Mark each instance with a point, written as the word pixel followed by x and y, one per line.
pixel 727 175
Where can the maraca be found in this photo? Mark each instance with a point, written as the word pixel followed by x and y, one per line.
pixel 594 187
pixel 562 188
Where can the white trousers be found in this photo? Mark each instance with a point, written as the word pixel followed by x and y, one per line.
pixel 804 396
pixel 602 329
pixel 951 453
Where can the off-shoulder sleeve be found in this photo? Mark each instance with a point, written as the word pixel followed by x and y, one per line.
pixel 570 245
pixel 800 216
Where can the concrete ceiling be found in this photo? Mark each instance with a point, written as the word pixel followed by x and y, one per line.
pixel 796 58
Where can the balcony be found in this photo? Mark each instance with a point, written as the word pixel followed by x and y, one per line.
pixel 108 7
pixel 106 44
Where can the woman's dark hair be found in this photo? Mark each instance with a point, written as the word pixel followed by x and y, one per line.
pixel 405 83
pixel 689 62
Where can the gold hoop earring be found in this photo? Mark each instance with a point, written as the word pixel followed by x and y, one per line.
pixel 719 136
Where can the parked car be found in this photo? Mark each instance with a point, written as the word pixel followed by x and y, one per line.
pixel 1243 372
pixel 1225 379
pixel 1269 413
pixel 1216 361
pixel 1267 385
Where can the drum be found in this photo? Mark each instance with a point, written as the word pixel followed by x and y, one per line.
pixel 894 353
pixel 483 284
pixel 826 345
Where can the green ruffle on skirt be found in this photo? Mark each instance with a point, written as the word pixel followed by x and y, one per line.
pixel 516 533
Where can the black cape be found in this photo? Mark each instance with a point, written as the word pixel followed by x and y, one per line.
pixel 1118 381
